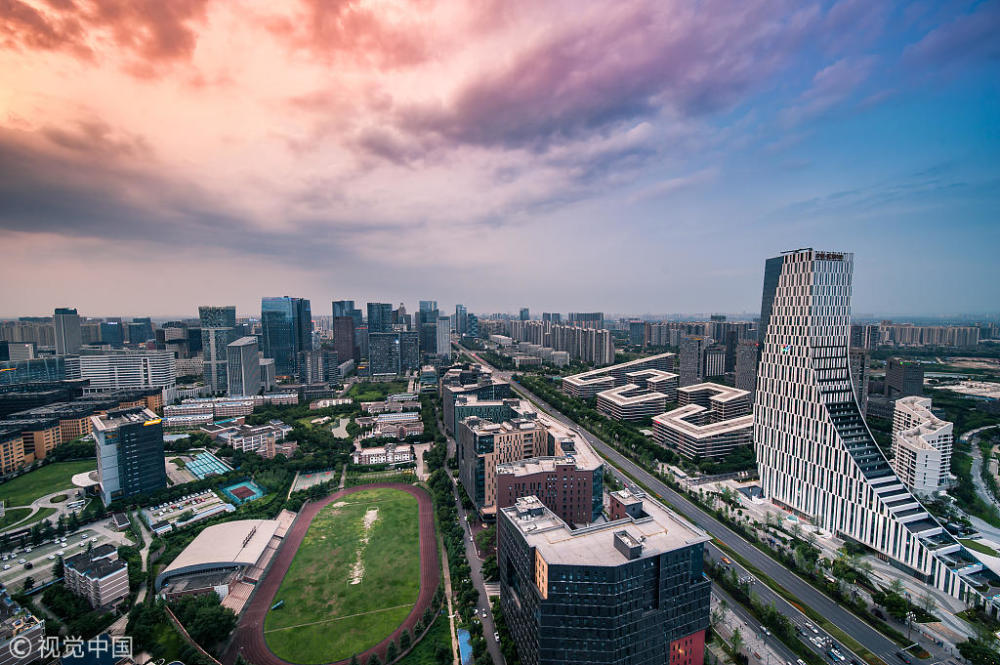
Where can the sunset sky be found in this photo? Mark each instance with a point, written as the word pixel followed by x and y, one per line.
pixel 619 156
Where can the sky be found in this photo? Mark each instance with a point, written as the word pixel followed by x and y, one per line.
pixel 623 156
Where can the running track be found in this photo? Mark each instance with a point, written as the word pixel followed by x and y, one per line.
pixel 249 638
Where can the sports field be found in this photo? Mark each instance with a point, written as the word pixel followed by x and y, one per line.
pixel 353 580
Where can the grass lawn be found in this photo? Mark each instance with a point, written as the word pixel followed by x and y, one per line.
pixel 325 618
pixel 426 650
pixel 42 514
pixel 365 391
pixel 21 491
pixel 59 498
pixel 13 515
pixel 979 547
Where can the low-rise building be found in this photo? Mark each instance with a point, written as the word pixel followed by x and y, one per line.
pixel 587 384
pixel 98 575
pixel 399 425
pixel 390 453
pixel 711 421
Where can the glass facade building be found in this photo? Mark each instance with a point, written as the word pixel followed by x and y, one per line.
pixel 287 326
pixel 217 332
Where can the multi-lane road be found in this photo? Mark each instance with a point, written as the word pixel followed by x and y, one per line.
pixel 867 636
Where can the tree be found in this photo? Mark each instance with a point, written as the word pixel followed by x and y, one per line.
pixel 979 652
pixel 405 640
pixel 354 660
pixel 373 660
pixel 391 652
pixel 927 602
pixel 736 641
pixel 29 583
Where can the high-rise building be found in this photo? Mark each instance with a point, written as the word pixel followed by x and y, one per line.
pixel 15 351
pixel 287 331
pixel 903 378
pixel 383 353
pixel 243 367
pixel 815 454
pixel 552 317
pixel 860 361
pixel 409 351
pixel 217 324
pixel 129 445
pixel 525 314
pixel 690 367
pixel 67 326
pixel 473 329
pixel 319 366
pixel 140 330
pixel 461 319
pixel 379 317
pixel 443 341
pixel 747 356
pixel 586 319
pixel 629 590
pixel 921 446
pixel 111 333
pixel 121 370
pixel 343 338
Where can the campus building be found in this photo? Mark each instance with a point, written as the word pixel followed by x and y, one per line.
pixel 587 384
pixel 483 388
pixel 98 575
pixel 629 590
pixel 921 446
pixel 815 454
pixel 711 421
pixel 129 446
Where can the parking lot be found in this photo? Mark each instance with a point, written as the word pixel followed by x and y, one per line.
pixel 185 508
pixel 14 566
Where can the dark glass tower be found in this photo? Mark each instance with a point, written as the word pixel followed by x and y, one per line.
pixel 287 326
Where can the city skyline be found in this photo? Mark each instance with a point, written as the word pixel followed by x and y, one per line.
pixel 497 139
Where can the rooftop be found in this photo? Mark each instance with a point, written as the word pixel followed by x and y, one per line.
pixel 658 531
pixel 112 420
pixel 630 393
pixel 720 392
pixel 678 420
pixel 241 542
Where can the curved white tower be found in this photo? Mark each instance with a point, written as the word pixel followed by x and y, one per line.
pixel 815 454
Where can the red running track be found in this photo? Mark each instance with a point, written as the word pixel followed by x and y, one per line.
pixel 249 638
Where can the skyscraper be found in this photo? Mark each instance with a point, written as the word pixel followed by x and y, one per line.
pixel 243 367
pixel 67 325
pixel 860 360
pixel 343 338
pixel 747 356
pixel 461 319
pixel 140 330
pixel 379 317
pixel 444 337
pixel 690 366
pixel 217 325
pixel 525 314
pixel 287 326
pixel 815 454
pixel 383 353
pixel 586 319
pixel 903 378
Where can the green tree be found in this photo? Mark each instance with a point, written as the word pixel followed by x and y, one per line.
pixel 29 583
pixel 736 641
pixel 354 660
pixel 373 660
pixel 391 652
pixel 405 640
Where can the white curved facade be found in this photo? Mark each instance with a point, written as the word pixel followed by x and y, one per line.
pixel 815 453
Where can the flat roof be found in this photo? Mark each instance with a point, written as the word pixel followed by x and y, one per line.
pixel 593 375
pixel 238 543
pixel 677 420
pixel 720 393
pixel 114 419
pixel 658 531
pixel 631 394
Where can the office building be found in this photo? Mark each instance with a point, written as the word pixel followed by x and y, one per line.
pixel 461 319
pixel 903 378
pixel 343 338
pixel 123 370
pixel 287 331
pixel 379 318
pixel 14 351
pixel 67 331
pixel 443 341
pixel 98 575
pixel 921 446
pixel 815 454
pixel 747 356
pixel 383 354
pixel 111 333
pixel 586 319
pixel 409 351
pixel 525 314
pixel 11 449
pixel 636 333
pixel 217 331
pixel 319 366
pixel 627 591
pixel 710 422
pixel 243 367
pixel 129 452
pixel 140 330
pixel 860 363
pixel 482 387
pixel 690 368
pixel 268 374
pixel 631 402
pixel 19 626
pixel 586 385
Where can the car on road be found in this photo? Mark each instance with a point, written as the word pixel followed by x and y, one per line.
pixel 21 560
pixel 496 636
pixel 29 566
pixel 6 566
pixel 905 657
pixel 52 557
pixel 60 552
pixel 726 560
pixel 483 613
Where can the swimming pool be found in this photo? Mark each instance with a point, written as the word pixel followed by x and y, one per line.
pixel 242 492
pixel 464 645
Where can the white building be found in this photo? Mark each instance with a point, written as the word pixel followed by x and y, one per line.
pixel 125 369
pixel 444 337
pixel 921 445
pixel 390 453
pixel 815 454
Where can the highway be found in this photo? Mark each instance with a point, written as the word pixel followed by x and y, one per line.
pixel 867 636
